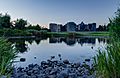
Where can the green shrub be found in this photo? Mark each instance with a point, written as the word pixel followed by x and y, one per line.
pixel 14 32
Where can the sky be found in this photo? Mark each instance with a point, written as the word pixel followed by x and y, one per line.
pixel 44 12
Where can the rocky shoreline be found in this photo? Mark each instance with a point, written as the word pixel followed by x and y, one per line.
pixel 53 68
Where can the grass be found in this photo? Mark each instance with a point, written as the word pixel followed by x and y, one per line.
pixel 7 55
pixel 107 61
pixel 78 33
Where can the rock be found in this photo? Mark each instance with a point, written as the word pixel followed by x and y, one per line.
pixel 52 57
pixel 76 65
pixel 63 74
pixel 72 75
pixel 53 72
pixel 22 59
pixel 59 55
pixel 29 73
pixel 31 65
pixel 20 69
pixel 86 66
pixel 79 69
pixel 87 60
pixel 54 69
pixel 43 63
pixel 52 76
pixel 65 61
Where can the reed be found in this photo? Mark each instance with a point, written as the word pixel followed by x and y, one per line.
pixel 107 62
pixel 7 55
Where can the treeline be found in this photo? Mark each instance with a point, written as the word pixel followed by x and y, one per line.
pixel 5 22
pixel 103 28
pixel 19 27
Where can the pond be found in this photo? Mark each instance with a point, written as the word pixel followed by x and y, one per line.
pixel 35 50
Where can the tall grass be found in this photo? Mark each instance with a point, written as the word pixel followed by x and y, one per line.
pixel 7 55
pixel 107 62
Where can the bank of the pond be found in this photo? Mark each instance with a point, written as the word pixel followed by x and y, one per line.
pixel 53 68
pixel 78 33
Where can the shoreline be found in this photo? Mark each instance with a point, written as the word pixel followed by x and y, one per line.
pixel 53 68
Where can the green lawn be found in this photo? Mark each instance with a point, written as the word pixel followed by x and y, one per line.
pixel 79 33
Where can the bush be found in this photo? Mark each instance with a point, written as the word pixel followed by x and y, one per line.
pixel 14 32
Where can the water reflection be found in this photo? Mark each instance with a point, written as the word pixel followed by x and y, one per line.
pixel 80 40
pixel 21 44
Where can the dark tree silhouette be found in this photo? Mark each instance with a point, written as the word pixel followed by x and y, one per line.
pixel 5 21
pixel 20 24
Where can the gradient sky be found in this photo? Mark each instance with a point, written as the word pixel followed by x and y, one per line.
pixel 44 12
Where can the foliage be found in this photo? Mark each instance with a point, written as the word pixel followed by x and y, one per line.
pixel 7 55
pixel 5 21
pixel 35 27
pixel 102 28
pixel 14 32
pixel 107 61
pixel 115 25
pixel 20 24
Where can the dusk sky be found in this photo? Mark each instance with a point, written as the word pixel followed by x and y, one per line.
pixel 44 12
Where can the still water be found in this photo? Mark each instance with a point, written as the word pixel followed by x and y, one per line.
pixel 39 49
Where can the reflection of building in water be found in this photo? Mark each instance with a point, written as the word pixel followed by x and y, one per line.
pixel 55 40
pixel 86 40
pixel 72 40
pixel 81 40
pixel 104 40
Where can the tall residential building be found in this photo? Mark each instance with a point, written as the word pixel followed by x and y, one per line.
pixel 92 26
pixel 71 27
pixel 55 27
pixel 86 27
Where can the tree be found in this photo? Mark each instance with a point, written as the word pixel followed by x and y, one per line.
pixel 34 27
pixel 5 21
pixel 20 24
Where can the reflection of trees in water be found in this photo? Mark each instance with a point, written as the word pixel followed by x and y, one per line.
pixel 21 43
pixel 104 40
pixel 22 46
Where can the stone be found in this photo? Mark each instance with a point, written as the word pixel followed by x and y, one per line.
pixel 22 59
pixel 31 65
pixel 65 61
pixel 76 65
pixel 43 63
pixel 63 74
pixel 52 76
pixel 72 75
pixel 59 55
pixel 53 72
pixel 52 57
pixel 29 73
pixel 87 60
